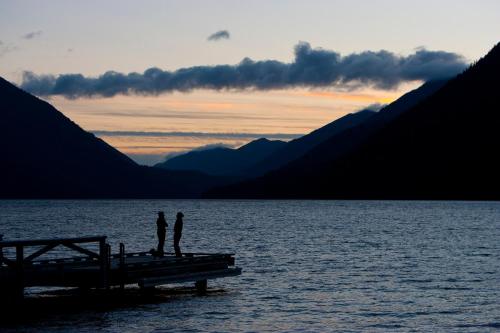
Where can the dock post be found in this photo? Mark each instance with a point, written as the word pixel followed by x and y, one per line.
pixel 122 266
pixel 201 287
pixel 19 288
pixel 1 251
pixel 108 264
pixel 103 258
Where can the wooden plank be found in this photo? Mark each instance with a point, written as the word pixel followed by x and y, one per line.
pixel 154 264
pixel 156 281
pixel 173 262
pixel 104 269
pixel 65 275
pixel 81 250
pixel 171 254
pixel 38 253
pixel 176 270
pixel 67 260
pixel 33 242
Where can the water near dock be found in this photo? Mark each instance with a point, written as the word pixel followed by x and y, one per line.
pixel 307 265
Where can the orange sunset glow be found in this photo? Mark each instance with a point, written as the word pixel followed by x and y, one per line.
pixel 256 113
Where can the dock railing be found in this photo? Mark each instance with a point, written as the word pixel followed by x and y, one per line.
pixel 21 260
pixel 36 263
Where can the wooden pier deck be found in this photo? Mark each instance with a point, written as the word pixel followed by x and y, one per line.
pixel 102 269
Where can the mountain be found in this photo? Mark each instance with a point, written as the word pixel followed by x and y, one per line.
pixel 298 147
pixel 223 161
pixel 444 147
pixel 262 155
pixel 350 138
pixel 46 155
pixel 344 133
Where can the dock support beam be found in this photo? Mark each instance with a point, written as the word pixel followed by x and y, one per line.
pixel 201 287
pixel 19 287
pixel 122 266
pixel 21 266
pixel 104 263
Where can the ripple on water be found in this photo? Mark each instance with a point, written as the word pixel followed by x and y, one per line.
pixel 346 266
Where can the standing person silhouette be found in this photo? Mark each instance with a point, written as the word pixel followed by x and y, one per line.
pixel 178 233
pixel 161 230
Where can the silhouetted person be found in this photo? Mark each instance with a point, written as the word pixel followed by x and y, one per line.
pixel 161 230
pixel 178 234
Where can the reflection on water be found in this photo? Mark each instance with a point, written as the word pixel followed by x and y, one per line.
pixel 308 265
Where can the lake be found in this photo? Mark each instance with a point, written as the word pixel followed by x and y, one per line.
pixel 308 266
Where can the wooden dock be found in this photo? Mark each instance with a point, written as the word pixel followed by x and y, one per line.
pixel 22 265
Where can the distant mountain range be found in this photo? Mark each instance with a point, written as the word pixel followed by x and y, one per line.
pixel 298 147
pixel 262 155
pixel 438 142
pixel 338 137
pixel 222 160
pixel 46 155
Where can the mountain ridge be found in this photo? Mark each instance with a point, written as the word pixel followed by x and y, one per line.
pixel 47 155
pixel 223 161
pixel 439 149
pixel 299 146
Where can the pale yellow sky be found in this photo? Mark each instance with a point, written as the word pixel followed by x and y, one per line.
pixel 255 113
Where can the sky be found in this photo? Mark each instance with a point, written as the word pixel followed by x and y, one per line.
pixel 226 72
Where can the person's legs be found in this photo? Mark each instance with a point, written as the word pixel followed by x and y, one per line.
pixel 177 239
pixel 161 243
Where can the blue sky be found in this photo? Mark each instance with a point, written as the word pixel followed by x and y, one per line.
pixel 135 35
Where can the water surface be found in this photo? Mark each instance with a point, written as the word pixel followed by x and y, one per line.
pixel 308 265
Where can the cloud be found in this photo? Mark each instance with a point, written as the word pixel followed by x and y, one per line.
pixel 375 107
pixel 198 134
pixel 213 146
pixel 216 36
pixel 311 68
pixel 32 35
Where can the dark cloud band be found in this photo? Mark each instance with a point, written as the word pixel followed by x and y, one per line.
pixel 310 68
pixel 198 134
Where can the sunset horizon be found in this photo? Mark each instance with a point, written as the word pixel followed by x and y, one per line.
pixel 249 166
pixel 283 109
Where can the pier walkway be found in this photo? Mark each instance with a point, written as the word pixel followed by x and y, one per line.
pixel 22 265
